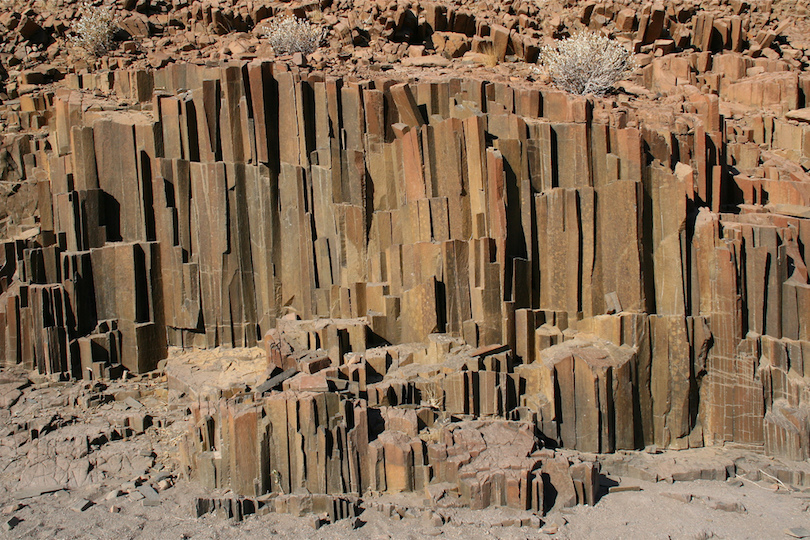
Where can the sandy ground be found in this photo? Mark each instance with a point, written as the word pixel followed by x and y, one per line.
pixel 716 510
pixel 75 462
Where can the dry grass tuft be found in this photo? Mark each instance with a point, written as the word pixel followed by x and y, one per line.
pixel 489 55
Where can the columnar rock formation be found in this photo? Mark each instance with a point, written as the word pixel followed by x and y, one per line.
pixel 589 275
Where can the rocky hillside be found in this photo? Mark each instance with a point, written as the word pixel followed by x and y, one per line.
pixel 367 35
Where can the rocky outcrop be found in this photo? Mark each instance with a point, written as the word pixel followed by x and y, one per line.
pixel 453 278
pixel 522 217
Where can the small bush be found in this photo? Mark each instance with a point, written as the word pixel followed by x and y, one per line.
pixel 94 30
pixel 489 54
pixel 587 63
pixel 289 35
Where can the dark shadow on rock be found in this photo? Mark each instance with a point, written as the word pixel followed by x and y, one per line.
pixel 605 484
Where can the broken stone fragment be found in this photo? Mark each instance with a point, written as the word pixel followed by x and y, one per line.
pixel 81 505
pixel 11 508
pixel 725 506
pixel 683 497
pixel 28 27
pixel 114 494
pixel 164 485
pixel 800 115
pixel 623 489
pixel 10 523
pixel 427 61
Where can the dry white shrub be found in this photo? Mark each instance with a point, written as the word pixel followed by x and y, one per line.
pixel 94 30
pixel 289 35
pixel 587 63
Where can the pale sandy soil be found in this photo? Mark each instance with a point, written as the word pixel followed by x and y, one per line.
pixel 56 435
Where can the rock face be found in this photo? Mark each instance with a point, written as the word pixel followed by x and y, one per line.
pixel 433 267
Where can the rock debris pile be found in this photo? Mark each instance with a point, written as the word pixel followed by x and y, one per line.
pixel 379 35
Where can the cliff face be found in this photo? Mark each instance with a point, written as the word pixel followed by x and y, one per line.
pixel 625 279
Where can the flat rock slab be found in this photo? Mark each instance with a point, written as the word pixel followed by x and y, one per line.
pixel 36 492
pixel 149 492
pixel 81 505
pixel 725 506
pixel 683 497
pixel 620 489
pixel 11 508
pixel 132 403
pixel 798 532
pixel 434 60
pixel 801 115
pixel 273 382
pixel 789 210
pixel 11 523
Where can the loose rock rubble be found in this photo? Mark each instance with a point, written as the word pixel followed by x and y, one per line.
pixel 84 444
pixel 115 467
pixel 374 35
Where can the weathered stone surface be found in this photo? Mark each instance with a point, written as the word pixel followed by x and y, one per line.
pixel 613 275
pixel 452 266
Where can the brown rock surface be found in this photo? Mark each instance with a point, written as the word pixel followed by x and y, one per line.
pixel 438 251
